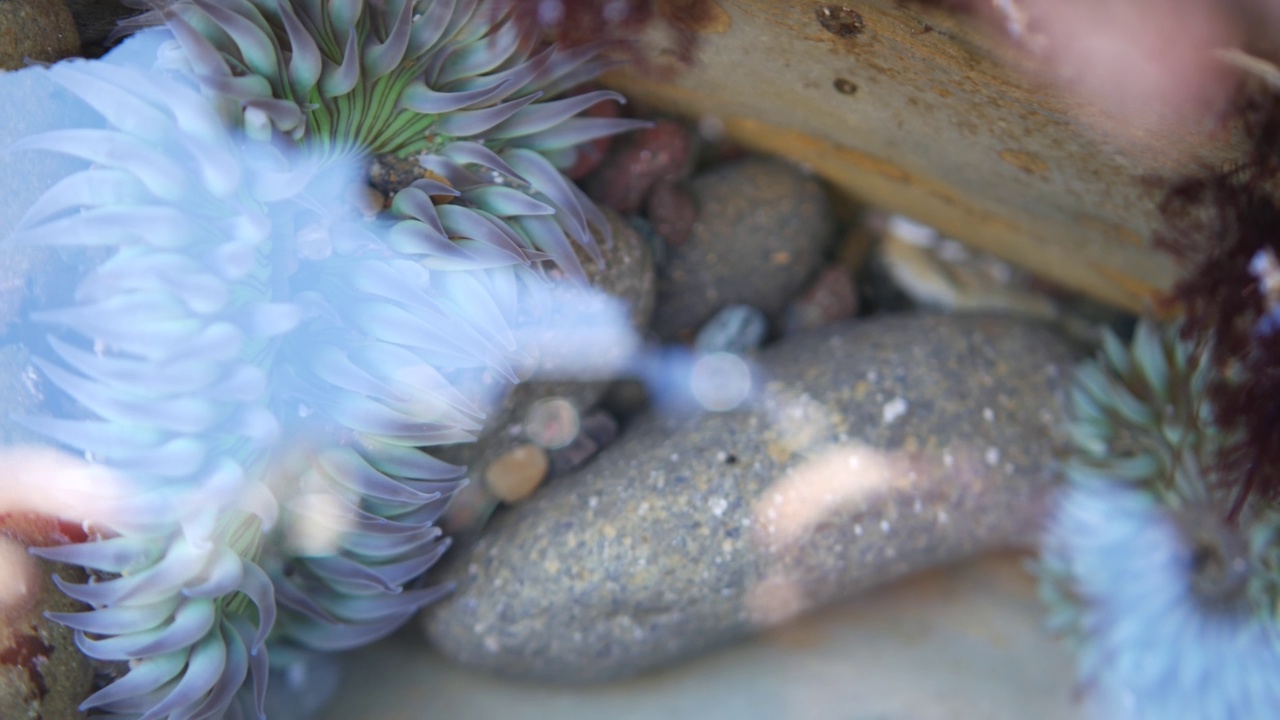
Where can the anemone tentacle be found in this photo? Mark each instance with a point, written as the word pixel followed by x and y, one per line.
pixel 1175 612
pixel 247 308
pixel 191 344
pixel 166 345
pixel 436 80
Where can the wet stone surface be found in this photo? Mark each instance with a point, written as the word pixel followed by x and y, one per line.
pixel 42 674
pixel 761 231
pixel 735 329
pixel 40 30
pixel 868 451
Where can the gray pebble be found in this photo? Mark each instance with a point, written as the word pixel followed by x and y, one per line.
pixel 761 232
pixel 867 452
pixel 598 429
pixel 737 329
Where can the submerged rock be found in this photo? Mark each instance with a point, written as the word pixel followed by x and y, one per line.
pixel 39 30
pixel 737 329
pixel 761 232
pixel 866 452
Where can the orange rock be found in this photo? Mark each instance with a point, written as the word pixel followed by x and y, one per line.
pixel 515 474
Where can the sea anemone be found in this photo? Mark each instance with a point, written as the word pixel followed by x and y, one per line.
pixel 1173 608
pixel 455 85
pixel 259 358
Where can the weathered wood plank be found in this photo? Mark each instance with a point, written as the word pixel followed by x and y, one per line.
pixel 923 113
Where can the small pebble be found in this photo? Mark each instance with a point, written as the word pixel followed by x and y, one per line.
pixel 736 329
pixel 514 475
pixel 552 423
pixel 469 509
pixel 597 431
pixel 624 180
pixel 832 297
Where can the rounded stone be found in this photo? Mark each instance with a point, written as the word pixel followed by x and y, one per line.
pixel 763 228
pixel 735 329
pixel 866 452
pixel 661 153
pixel 40 30
pixel 552 422
pixel 515 474
pixel 831 297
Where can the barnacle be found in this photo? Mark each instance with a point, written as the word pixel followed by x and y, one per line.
pixel 1174 609
pixel 258 356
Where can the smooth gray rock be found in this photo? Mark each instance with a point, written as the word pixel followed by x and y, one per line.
pixel 737 329
pixel 762 230
pixel 868 451
pixel 962 642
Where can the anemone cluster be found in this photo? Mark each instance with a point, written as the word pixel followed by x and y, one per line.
pixel 1174 609
pixel 260 357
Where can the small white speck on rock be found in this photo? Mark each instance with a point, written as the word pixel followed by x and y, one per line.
pixel 992 456
pixel 718 505
pixel 894 409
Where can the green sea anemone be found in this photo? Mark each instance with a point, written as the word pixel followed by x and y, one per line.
pixel 1174 609
pixel 453 84
pixel 259 357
